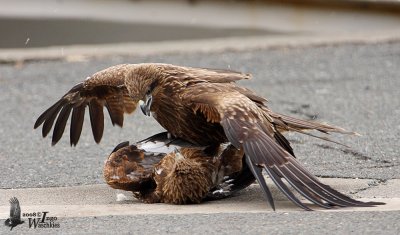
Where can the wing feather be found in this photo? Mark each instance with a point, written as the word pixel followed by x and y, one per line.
pixel 77 118
pixel 48 118
pixel 246 126
pixel 96 119
pixel 295 124
pixel 61 123
pixel 223 76
pixel 129 106
pixel 115 107
pixel 104 88
pixel 205 74
pixel 115 98
pixel 265 152
pixel 260 178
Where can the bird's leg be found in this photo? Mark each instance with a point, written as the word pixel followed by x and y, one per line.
pixel 219 193
pixel 233 173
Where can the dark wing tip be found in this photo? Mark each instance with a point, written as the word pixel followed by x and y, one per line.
pixel 96 120
pixel 260 178
pixel 97 139
pixel 44 116
pixel 37 123
pixel 77 118
pixel 373 203
pixel 120 145
pixel 162 136
pixel 77 87
pixel 61 122
pixel 264 151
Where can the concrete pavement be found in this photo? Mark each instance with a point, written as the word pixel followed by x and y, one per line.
pixel 101 200
pixel 97 209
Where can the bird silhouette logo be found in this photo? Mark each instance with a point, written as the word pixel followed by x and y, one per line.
pixel 15 214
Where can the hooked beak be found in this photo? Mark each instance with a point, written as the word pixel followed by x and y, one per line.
pixel 145 107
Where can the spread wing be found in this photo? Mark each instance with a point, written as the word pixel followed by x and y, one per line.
pixel 15 210
pixel 247 126
pixel 105 88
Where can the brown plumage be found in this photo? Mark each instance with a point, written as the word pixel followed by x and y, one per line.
pixel 128 168
pixel 204 107
pixel 182 177
pixel 159 169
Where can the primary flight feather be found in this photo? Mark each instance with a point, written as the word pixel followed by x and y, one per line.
pixel 204 107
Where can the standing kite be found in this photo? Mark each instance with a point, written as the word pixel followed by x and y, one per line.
pixel 204 107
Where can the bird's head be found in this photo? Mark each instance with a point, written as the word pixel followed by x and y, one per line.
pixel 178 159
pixel 142 84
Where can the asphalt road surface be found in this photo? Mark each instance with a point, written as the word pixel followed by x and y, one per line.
pixel 350 85
pixel 232 224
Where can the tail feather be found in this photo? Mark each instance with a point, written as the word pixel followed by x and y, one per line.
pixel 319 137
pixel 298 125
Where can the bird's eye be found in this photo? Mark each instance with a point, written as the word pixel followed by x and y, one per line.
pixel 148 91
pixel 151 87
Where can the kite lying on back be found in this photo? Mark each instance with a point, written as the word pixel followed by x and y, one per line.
pixel 170 170
pixel 204 107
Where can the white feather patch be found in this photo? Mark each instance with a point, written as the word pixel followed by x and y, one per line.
pixel 159 171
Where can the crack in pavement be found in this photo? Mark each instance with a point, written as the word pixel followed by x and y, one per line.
pixel 372 184
pixel 358 155
pixel 303 110
pixel 299 109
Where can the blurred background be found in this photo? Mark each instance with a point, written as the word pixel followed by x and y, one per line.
pixel 44 23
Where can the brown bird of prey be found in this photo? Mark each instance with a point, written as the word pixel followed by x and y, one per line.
pixel 170 170
pixel 204 107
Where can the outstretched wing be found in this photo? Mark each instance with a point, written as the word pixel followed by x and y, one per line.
pixel 247 126
pixel 15 210
pixel 105 88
